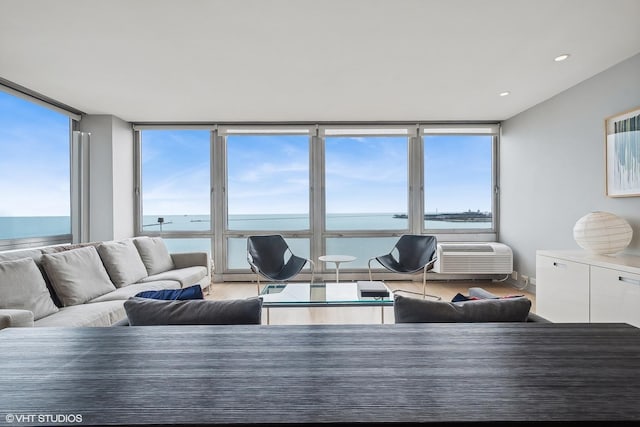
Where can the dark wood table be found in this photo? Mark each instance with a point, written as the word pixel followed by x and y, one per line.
pixel 409 373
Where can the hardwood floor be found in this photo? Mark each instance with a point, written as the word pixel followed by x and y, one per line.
pixel 358 315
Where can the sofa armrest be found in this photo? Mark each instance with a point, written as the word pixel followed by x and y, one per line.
pixel 192 259
pixel 15 318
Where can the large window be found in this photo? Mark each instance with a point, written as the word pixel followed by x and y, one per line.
pixel 366 191
pixel 366 180
pixel 175 169
pixel 267 188
pixel 34 171
pixel 327 189
pixel 458 182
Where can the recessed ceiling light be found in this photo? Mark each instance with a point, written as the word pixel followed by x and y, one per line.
pixel 561 57
pixel 505 93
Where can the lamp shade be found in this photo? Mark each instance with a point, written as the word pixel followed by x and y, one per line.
pixel 602 233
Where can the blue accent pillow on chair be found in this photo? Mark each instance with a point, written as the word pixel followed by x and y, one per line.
pixel 191 292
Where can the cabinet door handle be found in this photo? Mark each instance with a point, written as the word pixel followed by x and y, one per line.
pixel 559 265
pixel 628 280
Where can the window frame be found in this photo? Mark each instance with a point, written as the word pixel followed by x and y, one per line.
pixel 138 217
pixel 479 234
pixel 367 131
pixel 75 199
pixel 317 233
pixel 347 271
pixel 223 216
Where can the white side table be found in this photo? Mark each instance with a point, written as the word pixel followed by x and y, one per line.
pixel 337 259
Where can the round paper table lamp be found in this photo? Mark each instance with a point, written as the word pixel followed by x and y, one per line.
pixel 602 233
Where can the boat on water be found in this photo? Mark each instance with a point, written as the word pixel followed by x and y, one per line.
pixel 469 216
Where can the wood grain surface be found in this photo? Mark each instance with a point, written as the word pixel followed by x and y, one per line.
pixel 408 373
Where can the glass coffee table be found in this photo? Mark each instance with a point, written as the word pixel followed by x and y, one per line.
pixel 322 295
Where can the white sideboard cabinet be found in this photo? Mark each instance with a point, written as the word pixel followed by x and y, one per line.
pixel 575 286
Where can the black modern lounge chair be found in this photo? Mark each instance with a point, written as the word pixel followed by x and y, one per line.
pixel 411 253
pixel 270 257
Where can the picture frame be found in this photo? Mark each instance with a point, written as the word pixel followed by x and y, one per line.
pixel 622 149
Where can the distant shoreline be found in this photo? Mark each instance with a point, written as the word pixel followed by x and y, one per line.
pixel 454 216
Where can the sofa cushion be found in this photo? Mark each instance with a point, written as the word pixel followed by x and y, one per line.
pixel 68 247
pixel 22 287
pixel 154 254
pixel 122 261
pixel 127 292
pixel 482 293
pixel 414 310
pixel 190 292
pixel 186 276
pixel 146 312
pixel 36 255
pixel 77 275
pixel 99 314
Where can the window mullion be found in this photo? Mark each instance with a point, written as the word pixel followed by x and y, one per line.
pixel 317 199
pixel 416 186
pixel 218 203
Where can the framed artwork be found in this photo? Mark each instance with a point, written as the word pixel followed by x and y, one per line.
pixel 622 139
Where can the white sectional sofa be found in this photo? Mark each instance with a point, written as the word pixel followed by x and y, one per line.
pixel 87 284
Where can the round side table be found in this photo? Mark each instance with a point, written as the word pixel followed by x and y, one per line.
pixel 337 259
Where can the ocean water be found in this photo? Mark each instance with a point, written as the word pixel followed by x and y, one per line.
pixel 20 227
pixel 361 247
pixel 17 227
pixel 292 222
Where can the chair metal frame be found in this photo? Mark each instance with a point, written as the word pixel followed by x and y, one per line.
pixel 428 266
pixel 258 271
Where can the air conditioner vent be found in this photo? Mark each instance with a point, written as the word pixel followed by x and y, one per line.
pixel 474 258
pixel 466 248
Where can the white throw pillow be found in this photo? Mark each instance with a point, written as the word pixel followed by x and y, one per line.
pixel 154 254
pixel 123 262
pixel 77 275
pixel 22 287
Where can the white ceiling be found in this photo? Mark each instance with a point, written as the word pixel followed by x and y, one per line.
pixel 310 60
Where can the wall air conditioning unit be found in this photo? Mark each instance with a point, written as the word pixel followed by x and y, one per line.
pixel 473 258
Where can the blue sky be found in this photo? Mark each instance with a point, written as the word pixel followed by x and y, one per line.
pixel 366 174
pixel 457 173
pixel 34 160
pixel 270 174
pixel 175 172
pixel 266 174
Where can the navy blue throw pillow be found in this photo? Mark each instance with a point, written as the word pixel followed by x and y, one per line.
pixel 191 292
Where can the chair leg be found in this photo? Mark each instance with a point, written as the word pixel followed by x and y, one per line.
pixel 313 269
pixel 424 286
pixel 424 293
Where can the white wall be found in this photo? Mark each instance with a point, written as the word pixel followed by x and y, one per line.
pixel 123 182
pixel 552 165
pixel 111 166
